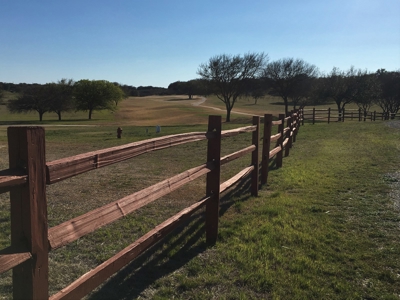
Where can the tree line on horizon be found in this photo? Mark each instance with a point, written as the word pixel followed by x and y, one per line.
pixel 229 77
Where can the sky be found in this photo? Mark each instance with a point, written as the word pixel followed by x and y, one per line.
pixel 155 43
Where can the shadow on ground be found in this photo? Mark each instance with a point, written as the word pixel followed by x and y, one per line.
pixel 158 261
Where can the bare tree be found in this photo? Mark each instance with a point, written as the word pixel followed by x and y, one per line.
pixel 389 100
pixel 227 75
pixel 286 75
pixel 340 86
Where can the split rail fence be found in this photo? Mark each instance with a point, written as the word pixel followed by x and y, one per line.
pixel 28 175
pixel 334 115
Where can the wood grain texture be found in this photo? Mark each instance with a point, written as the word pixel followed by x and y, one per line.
pixel 11 178
pixel 274 151
pixel 71 230
pixel 11 257
pixel 230 157
pixel 26 146
pixel 95 277
pixel 67 167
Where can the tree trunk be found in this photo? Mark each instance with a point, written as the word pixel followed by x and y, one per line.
pixel 339 112
pixel 285 100
pixel 228 115
pixel 90 114
pixel 41 116
pixel 59 115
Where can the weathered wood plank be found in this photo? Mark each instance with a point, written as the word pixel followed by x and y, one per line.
pixel 71 230
pixel 266 146
pixel 70 166
pixel 213 180
pixel 285 142
pixel 236 131
pixel 275 137
pixel 279 122
pixel 11 178
pixel 232 181
pixel 254 157
pixel 274 151
pixel 10 257
pixel 95 277
pixel 26 146
pixel 237 154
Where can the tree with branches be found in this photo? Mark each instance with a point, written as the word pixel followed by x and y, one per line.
pixel 288 78
pixel 226 75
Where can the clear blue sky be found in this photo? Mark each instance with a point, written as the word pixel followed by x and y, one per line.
pixel 155 43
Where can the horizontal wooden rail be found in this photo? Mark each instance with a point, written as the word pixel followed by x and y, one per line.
pixel 236 131
pixel 285 142
pixel 277 122
pixel 71 166
pixel 95 277
pixel 274 151
pixel 11 178
pixel 98 275
pixel 237 154
pixel 71 230
pixel 275 137
pixel 11 257
pixel 68 167
pixel 232 181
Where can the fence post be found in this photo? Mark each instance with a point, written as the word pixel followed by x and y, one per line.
pixel 266 148
pixel 343 114
pixel 329 115
pixel 359 115
pixel 295 126
pixel 213 179
pixel 374 115
pixel 279 155
pixel 254 157
pixel 288 124
pixel 302 116
pixel 26 148
pixel 313 115
pixel 291 129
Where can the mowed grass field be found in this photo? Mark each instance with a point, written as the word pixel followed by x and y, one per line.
pixel 325 226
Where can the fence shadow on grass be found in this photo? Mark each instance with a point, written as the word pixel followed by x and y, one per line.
pixel 156 262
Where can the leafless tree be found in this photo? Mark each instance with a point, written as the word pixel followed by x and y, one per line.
pixel 227 75
pixel 285 77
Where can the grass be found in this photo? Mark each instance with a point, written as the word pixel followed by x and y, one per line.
pixel 324 227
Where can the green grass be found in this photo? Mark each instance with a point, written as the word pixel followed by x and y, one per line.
pixel 323 228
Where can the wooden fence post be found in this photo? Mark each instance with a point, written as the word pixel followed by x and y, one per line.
pixel 26 148
pixel 254 157
pixel 213 179
pixel 288 124
pixel 329 115
pixel 291 129
pixel 302 116
pixel 295 126
pixel 343 114
pixel 279 155
pixel 359 115
pixel 374 115
pixel 266 148
pixel 313 115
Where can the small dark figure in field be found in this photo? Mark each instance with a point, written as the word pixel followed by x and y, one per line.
pixel 119 132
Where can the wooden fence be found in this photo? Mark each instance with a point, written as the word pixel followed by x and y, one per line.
pixel 333 115
pixel 28 175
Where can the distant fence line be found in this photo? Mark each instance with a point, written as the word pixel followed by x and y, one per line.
pixel 334 115
pixel 29 173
